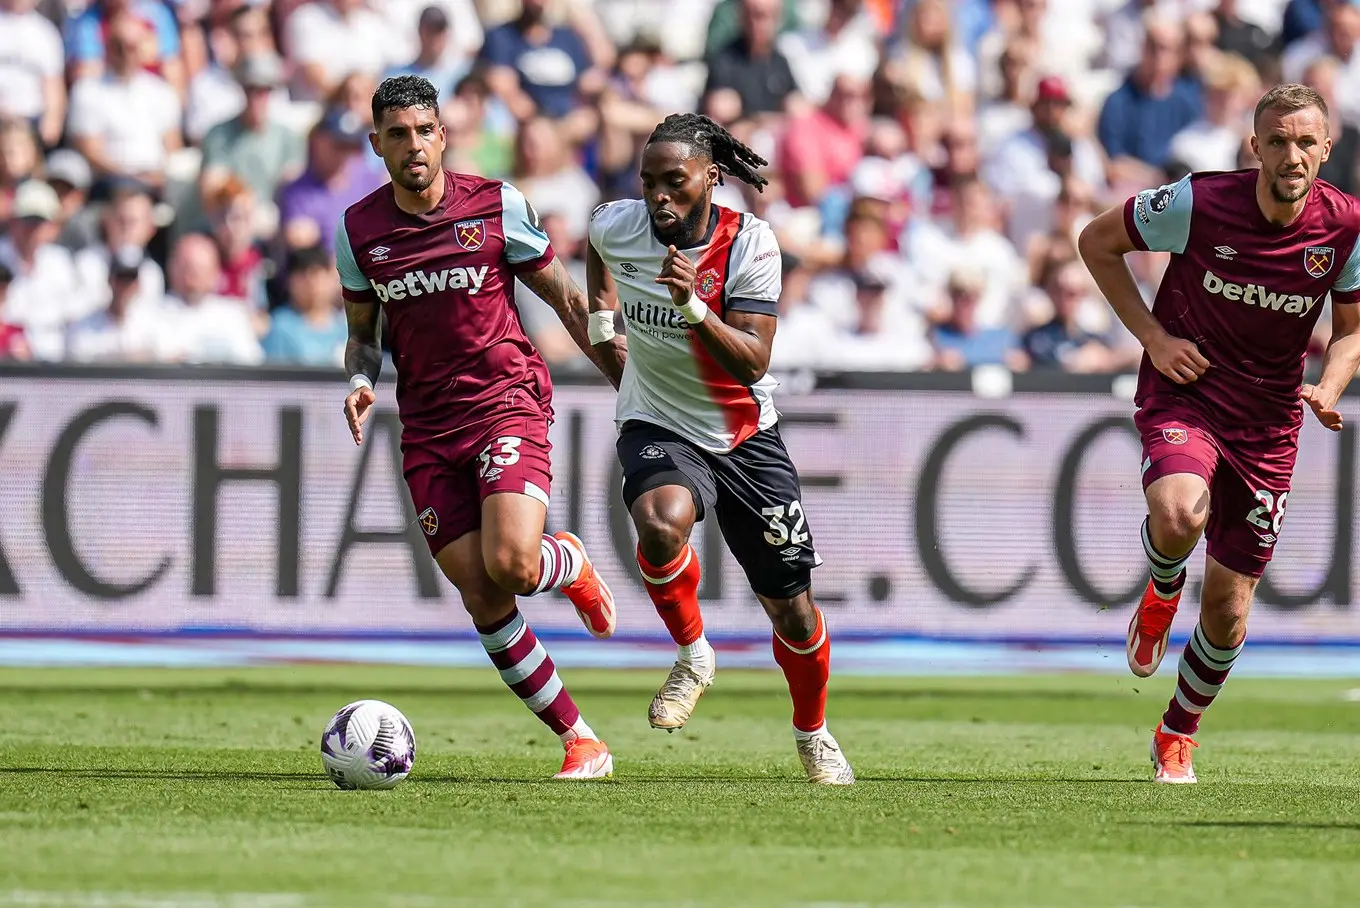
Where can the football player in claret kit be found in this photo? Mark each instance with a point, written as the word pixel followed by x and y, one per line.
pixel 439 252
pixel 698 436
pixel 1254 255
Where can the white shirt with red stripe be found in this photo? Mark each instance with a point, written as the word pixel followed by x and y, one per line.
pixel 671 379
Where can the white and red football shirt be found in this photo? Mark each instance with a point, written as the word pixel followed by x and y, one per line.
pixel 671 380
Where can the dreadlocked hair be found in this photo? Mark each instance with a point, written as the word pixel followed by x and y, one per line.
pixel 720 146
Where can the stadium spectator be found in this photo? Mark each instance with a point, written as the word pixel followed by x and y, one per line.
pixel 1241 36
pixel 437 57
pixel 929 62
pixel 801 341
pixel 1339 37
pixel 127 226
pixel 1063 342
pixel 13 343
pixel 336 177
pixel 474 145
pixel 32 69
pixel 253 146
pixel 1006 113
pixel 970 240
pixel 311 329
pixel 536 68
pixel 1139 119
pixel 156 47
pixel 725 22
pixel 887 335
pixel 960 341
pixel 45 292
pixel 215 92
pixel 866 251
pixel 750 65
pixel 1064 35
pixel 1020 172
pixel 18 159
pixel 329 39
pixel 207 328
pixel 134 327
pixel 630 107
pixel 69 174
pixel 550 179
pixel 234 221
pixel 1342 168
pixel 845 45
pixel 125 121
pixel 1231 88
pixel 821 148
pixel 464 33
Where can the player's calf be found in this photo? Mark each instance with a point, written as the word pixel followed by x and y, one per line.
pixel 802 649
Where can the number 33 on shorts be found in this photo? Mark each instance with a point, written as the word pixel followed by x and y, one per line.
pixel 502 452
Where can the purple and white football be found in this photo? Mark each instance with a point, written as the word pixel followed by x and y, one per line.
pixel 368 744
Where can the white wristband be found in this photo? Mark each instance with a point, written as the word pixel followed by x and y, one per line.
pixel 601 326
pixel 359 381
pixel 694 311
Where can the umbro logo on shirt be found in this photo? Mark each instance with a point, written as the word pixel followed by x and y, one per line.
pixel 628 267
pixel 379 253
pixel 1225 252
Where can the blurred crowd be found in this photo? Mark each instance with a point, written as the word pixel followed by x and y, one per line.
pixel 171 171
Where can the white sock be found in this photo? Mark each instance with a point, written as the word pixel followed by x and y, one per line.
pixel 698 655
pixel 579 730
pixel 800 735
pixel 1171 731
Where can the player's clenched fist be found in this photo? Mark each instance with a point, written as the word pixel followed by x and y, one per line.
pixel 357 407
pixel 1177 358
pixel 678 274
pixel 1323 404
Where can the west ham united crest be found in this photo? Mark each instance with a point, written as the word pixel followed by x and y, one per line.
pixel 707 285
pixel 1176 436
pixel 429 521
pixel 1317 260
pixel 470 234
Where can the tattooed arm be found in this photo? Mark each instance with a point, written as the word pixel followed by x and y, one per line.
pixel 555 287
pixel 363 360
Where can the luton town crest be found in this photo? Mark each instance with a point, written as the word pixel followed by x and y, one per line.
pixel 429 521
pixel 707 285
pixel 1317 260
pixel 470 234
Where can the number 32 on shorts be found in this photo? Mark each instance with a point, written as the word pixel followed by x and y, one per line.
pixel 1269 514
pixel 507 453
pixel 779 532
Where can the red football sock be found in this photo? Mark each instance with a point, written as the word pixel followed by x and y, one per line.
pixel 674 589
pixel 807 666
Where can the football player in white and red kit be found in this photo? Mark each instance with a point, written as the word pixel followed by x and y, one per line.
pixel 698 285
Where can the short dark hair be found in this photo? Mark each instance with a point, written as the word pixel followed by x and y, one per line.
pixel 1289 98
pixel 711 140
pixel 401 92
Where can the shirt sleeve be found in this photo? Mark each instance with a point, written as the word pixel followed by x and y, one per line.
pixel 759 277
pixel 354 285
pixel 526 244
pixel 1158 220
pixel 1347 286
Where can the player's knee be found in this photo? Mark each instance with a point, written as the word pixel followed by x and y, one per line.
pixel 513 570
pixel 1177 524
pixel 662 533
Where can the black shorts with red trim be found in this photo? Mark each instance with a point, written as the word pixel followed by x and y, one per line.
pixel 753 489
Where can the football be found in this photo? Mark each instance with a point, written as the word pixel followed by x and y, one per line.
pixel 368 745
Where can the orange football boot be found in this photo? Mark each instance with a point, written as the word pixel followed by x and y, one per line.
pixel 1171 756
pixel 586 758
pixel 589 593
pixel 1149 631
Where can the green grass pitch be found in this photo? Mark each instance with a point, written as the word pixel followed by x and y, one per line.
pixel 159 788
